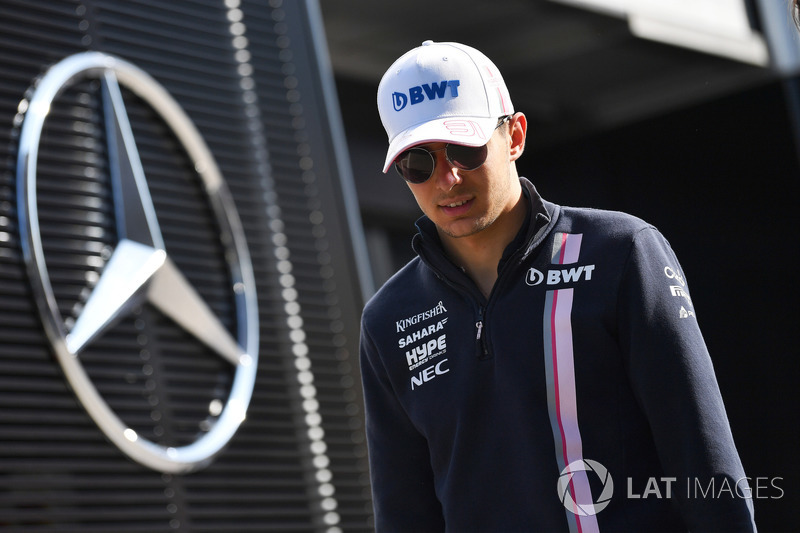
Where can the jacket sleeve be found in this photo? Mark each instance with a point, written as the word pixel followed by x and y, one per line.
pixel 400 467
pixel 673 378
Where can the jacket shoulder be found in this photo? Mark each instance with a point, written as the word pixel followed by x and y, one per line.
pixel 610 223
pixel 397 291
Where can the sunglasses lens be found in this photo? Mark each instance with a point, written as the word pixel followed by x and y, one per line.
pixel 466 157
pixel 415 165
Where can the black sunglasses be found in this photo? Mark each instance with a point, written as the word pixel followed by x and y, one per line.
pixel 416 165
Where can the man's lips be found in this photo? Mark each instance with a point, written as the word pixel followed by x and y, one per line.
pixel 456 207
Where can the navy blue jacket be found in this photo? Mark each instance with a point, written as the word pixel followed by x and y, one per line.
pixel 579 397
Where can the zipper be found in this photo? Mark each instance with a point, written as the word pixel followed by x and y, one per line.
pixel 470 289
pixel 482 348
pixel 480 338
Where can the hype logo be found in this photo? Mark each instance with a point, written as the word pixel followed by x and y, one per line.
pixel 419 93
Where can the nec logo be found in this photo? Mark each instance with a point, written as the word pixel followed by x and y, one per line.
pixel 559 275
pixel 420 92
pixel 429 373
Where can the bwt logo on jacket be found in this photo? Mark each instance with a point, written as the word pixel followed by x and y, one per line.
pixel 430 91
pixel 559 275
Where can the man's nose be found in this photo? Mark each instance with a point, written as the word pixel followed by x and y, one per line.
pixel 446 175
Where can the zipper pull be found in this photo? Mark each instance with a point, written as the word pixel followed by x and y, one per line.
pixel 480 342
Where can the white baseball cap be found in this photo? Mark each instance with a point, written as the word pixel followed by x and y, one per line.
pixel 441 92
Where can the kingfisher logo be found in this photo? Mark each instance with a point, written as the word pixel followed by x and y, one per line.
pixel 420 93
pixel 419 317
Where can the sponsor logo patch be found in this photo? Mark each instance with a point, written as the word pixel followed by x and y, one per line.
pixel 555 276
pixel 420 317
pixel 426 91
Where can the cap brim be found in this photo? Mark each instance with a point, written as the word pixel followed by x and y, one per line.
pixel 469 131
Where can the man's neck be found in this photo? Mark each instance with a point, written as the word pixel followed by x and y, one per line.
pixel 479 254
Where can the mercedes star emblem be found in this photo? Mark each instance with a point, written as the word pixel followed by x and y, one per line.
pixel 140 269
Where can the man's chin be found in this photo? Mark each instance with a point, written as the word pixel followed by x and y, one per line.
pixel 462 229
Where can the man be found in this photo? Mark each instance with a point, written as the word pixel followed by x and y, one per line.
pixel 536 367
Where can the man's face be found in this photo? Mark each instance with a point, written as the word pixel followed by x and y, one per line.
pixel 464 203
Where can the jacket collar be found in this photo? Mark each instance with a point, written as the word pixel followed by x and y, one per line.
pixel 541 215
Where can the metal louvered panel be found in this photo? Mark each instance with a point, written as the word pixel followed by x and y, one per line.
pixel 298 462
pixel 300 175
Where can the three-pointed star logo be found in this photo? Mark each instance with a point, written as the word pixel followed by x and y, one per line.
pixel 139 270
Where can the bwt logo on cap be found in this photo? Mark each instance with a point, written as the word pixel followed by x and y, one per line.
pixel 418 93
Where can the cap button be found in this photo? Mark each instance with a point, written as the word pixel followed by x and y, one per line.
pixel 427 43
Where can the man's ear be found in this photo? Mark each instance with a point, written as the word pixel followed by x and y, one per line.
pixel 518 129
